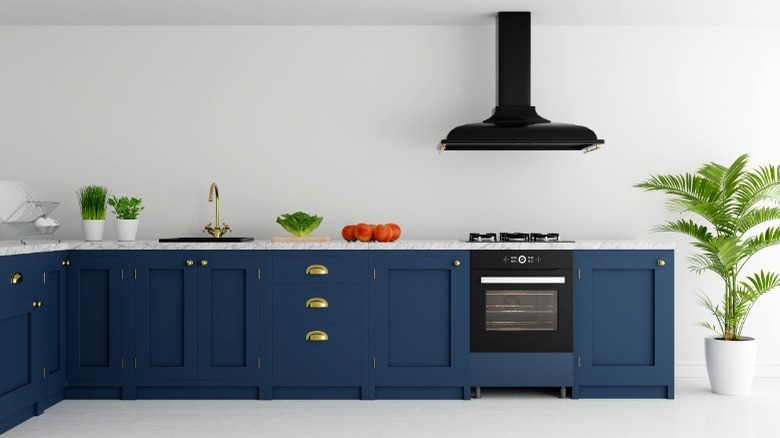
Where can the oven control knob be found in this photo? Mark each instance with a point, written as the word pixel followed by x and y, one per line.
pixel 521 259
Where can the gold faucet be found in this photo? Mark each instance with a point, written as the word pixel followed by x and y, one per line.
pixel 216 232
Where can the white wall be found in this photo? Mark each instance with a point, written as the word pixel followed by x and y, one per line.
pixel 343 122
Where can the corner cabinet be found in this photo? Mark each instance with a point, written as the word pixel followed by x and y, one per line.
pixel 31 336
pixel 623 328
pixel 420 324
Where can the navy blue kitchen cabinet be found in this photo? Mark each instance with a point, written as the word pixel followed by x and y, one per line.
pixel 317 315
pixel 21 339
pixel 163 343
pixel 420 323
pixel 95 324
pixel 163 324
pixel 228 318
pixel 624 316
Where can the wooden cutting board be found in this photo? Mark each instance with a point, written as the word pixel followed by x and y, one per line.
pixel 287 239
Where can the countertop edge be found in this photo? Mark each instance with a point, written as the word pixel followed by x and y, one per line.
pixel 9 248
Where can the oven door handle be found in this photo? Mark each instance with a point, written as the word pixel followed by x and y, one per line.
pixel 522 280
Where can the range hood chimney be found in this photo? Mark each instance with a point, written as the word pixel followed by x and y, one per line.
pixel 514 125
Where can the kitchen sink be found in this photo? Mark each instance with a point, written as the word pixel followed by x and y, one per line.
pixel 207 239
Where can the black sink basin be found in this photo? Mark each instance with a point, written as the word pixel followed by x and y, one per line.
pixel 207 239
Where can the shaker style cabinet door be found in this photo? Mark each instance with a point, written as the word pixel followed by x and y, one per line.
pixel 420 323
pixel 228 318
pixel 22 341
pixel 94 319
pixel 165 318
pixel 624 304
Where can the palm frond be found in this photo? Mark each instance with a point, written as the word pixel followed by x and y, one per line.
pixel 757 216
pixel 699 263
pixel 688 187
pixel 754 244
pixel 760 283
pixel 759 185
pixel 689 228
pixel 732 177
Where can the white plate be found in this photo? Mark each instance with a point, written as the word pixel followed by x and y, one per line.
pixel 13 195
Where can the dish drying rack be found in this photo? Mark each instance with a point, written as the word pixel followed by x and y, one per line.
pixel 24 217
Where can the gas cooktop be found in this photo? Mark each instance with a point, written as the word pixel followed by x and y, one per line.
pixel 517 237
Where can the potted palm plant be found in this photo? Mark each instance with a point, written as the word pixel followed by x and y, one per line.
pixel 92 201
pixel 737 206
pixel 126 211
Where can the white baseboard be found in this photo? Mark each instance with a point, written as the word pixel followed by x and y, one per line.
pixel 771 370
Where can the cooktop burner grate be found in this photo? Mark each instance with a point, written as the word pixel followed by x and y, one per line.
pixel 515 237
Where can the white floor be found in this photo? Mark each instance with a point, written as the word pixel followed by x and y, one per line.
pixel 696 412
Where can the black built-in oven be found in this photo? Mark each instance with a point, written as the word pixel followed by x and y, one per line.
pixel 521 301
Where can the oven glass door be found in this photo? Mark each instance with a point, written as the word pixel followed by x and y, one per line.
pixel 521 311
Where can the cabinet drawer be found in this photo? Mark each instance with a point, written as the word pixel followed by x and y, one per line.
pixel 338 358
pixel 319 267
pixel 317 303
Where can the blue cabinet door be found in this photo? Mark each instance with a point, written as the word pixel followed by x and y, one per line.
pixel 54 322
pixel 165 347
pixel 624 324
pixel 420 322
pixel 228 318
pixel 21 338
pixel 94 319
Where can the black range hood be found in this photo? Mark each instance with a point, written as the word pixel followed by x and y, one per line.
pixel 514 125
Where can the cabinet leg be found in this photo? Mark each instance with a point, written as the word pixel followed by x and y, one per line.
pixel 563 392
pixel 477 392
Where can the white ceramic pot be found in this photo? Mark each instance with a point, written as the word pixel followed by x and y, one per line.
pixel 126 229
pixel 93 229
pixel 730 364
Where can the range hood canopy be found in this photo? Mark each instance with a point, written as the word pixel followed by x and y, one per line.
pixel 515 125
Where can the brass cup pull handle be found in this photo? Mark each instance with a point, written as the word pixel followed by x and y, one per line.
pixel 189 262
pixel 456 263
pixel 316 270
pixel 661 262
pixel 16 278
pixel 204 262
pixel 316 303
pixel 316 336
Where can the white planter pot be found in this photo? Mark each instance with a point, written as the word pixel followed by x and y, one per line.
pixel 730 364
pixel 126 229
pixel 93 229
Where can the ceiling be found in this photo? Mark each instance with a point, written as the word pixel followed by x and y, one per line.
pixel 386 12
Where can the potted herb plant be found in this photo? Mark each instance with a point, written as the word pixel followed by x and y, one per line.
pixel 92 201
pixel 126 211
pixel 736 206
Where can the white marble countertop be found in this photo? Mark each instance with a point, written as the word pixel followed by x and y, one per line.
pixel 16 247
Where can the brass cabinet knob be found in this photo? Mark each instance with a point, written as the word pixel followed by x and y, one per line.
pixel 189 262
pixel 316 270
pixel 316 336
pixel 16 278
pixel 316 303
pixel 456 263
pixel 37 304
pixel 204 262
pixel 66 263
pixel 661 262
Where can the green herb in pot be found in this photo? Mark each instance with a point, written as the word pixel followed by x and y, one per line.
pixel 299 223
